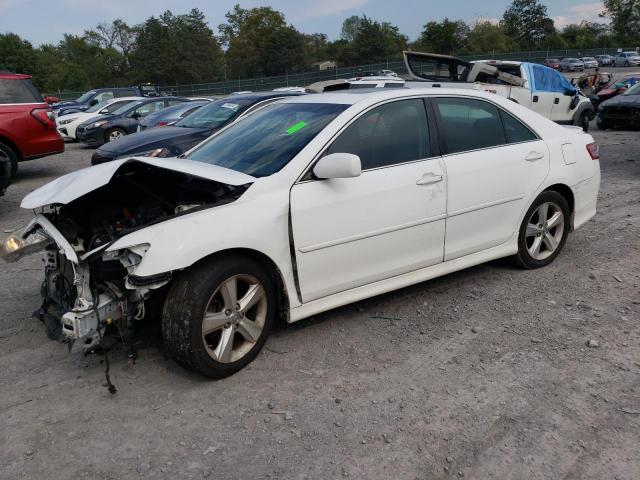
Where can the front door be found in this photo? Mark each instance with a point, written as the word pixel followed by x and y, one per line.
pixel 388 221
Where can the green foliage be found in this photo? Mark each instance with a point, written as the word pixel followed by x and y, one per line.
pixel 181 49
pixel 625 20
pixel 448 36
pixel 527 22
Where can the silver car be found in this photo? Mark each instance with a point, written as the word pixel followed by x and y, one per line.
pixel 571 65
pixel 627 59
pixel 589 62
pixel 604 60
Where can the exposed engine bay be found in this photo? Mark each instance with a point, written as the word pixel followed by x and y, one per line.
pixel 89 292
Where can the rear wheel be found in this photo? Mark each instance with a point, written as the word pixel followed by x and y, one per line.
pixel 583 121
pixel 8 151
pixel 114 134
pixel 218 315
pixel 543 231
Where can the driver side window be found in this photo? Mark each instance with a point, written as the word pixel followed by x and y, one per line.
pixel 390 134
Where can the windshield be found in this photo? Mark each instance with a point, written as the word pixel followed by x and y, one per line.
pixel 98 106
pixel 635 90
pixel 216 114
pixel 85 97
pixel 126 107
pixel 264 142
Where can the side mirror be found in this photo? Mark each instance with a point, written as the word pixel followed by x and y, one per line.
pixel 136 115
pixel 93 102
pixel 338 165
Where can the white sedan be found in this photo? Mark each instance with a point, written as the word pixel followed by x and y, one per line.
pixel 308 204
pixel 67 124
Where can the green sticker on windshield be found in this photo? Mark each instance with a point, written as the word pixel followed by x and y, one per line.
pixel 296 127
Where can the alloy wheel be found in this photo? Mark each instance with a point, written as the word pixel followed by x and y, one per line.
pixel 234 318
pixel 115 135
pixel 545 229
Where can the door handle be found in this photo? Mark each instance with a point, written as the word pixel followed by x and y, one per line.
pixel 533 156
pixel 535 99
pixel 556 101
pixel 429 178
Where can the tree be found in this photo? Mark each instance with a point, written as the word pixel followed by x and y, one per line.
pixel 260 42
pixel 448 36
pixel 585 35
pixel 176 49
pixel 16 55
pixel 350 27
pixel 625 20
pixel 487 37
pixel 527 22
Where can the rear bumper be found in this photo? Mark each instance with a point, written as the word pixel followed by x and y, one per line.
pixel 50 143
pixel 586 197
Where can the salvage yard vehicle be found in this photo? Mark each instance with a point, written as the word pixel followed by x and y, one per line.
pixel 172 141
pixel 5 172
pixel 112 126
pixel 540 88
pixel 68 123
pixel 627 59
pixel 621 111
pixel 308 204
pixel 27 128
pixel 571 65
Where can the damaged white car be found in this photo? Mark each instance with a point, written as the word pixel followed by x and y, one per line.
pixel 308 204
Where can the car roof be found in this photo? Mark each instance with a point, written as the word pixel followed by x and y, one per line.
pixel 261 95
pixel 352 97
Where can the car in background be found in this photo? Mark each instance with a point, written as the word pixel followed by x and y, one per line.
pixel 91 98
pixel 51 99
pixel 617 87
pixel 604 60
pixel 627 59
pixel 113 126
pixel 68 123
pixel 571 65
pixel 552 63
pixel 27 128
pixel 174 140
pixel 589 62
pixel 170 115
pixel 621 111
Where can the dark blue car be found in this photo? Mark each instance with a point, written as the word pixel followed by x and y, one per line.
pixel 91 98
pixel 175 140
pixel 170 115
pixel 122 122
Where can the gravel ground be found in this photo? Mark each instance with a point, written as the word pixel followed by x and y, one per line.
pixel 484 373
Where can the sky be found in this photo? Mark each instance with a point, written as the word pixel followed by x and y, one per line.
pixel 45 21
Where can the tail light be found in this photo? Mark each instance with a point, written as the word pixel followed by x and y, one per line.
pixel 594 150
pixel 45 117
pixel 162 124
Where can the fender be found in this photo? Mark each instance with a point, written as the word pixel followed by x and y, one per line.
pixel 580 109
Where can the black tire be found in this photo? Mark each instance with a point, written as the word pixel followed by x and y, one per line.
pixel 583 121
pixel 108 133
pixel 12 156
pixel 523 258
pixel 187 301
pixel 626 64
pixel 602 125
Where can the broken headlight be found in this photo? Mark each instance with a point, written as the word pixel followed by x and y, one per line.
pixel 22 243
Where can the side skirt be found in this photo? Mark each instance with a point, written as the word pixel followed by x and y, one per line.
pixel 400 281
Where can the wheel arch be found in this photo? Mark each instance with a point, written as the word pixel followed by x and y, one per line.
pixel 568 195
pixel 7 141
pixel 268 263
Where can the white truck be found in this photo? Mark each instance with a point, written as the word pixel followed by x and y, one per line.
pixel 535 86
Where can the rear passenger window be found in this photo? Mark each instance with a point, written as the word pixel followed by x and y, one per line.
pixel 514 129
pixel 469 124
pixel 387 135
pixel 18 91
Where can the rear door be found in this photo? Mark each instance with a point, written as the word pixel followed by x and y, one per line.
pixel 493 164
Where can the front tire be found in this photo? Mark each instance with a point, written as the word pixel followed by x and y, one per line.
pixel 543 231
pixel 583 121
pixel 114 134
pixel 218 315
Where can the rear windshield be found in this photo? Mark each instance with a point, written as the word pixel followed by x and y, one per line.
pixel 18 91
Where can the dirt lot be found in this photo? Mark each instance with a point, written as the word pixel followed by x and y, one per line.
pixel 480 374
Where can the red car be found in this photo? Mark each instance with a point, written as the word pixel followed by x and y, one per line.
pixel 27 127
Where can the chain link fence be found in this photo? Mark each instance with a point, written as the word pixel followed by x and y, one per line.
pixel 307 78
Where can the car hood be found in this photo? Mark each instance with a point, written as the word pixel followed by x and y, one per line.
pixel 154 138
pixel 94 118
pixel 76 184
pixel 622 100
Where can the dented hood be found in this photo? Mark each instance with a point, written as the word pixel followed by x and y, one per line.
pixel 76 184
